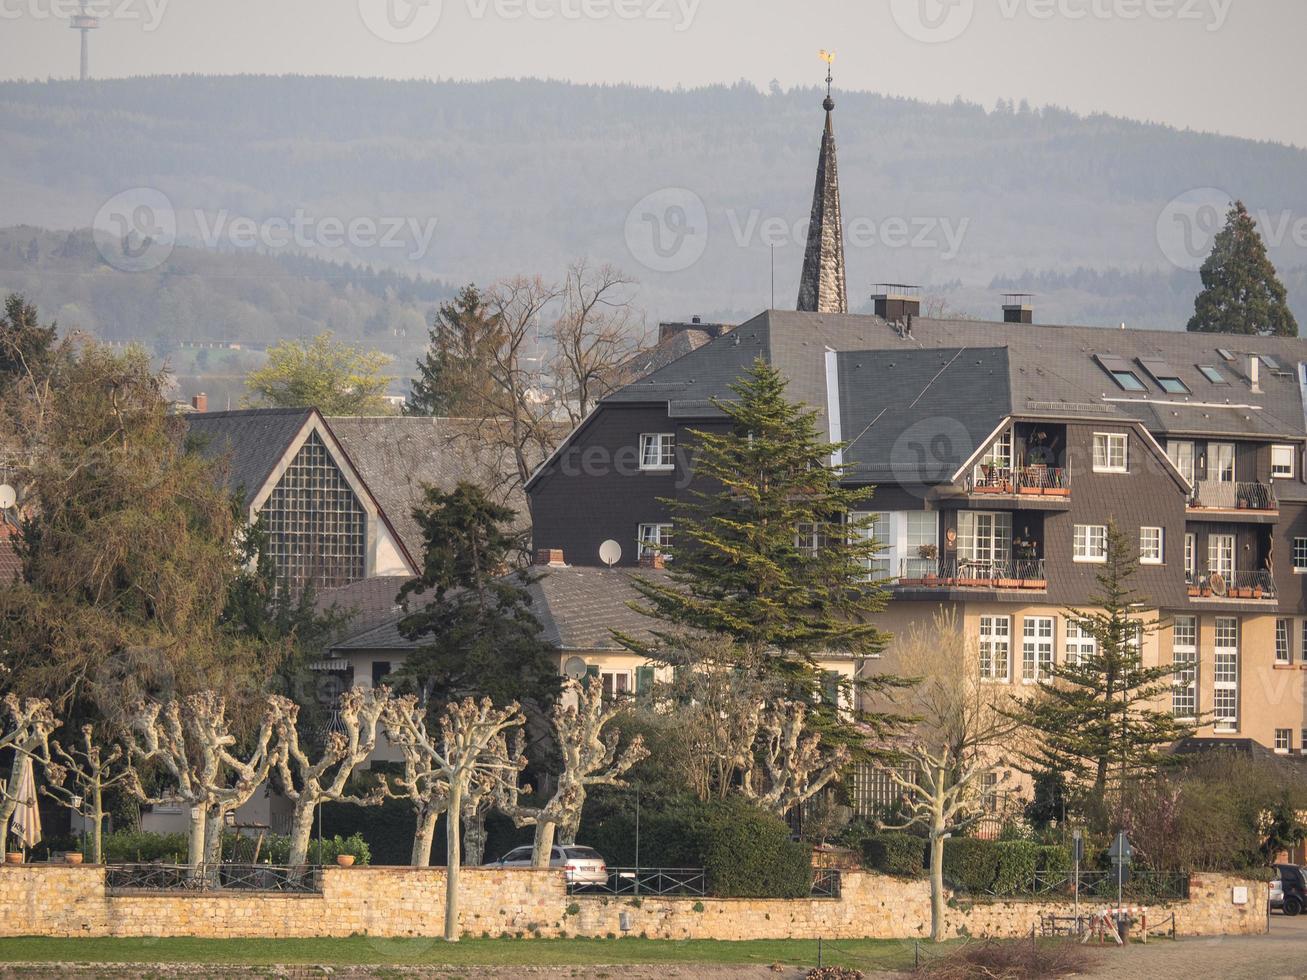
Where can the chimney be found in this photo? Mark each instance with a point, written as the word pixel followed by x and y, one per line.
pixel 551 557
pixel 1255 373
pixel 1017 308
pixel 896 301
pixel 200 402
pixel 653 560
pixel 696 320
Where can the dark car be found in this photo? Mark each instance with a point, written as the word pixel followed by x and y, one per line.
pixel 1289 889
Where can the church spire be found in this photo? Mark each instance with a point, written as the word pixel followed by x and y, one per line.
pixel 821 287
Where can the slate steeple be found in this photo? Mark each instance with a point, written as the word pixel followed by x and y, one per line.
pixel 822 287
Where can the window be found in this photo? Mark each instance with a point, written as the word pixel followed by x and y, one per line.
pixel 984 537
pixel 1167 378
pixel 1283 641
pixel 617 683
pixel 1212 374
pixel 1300 555
pixel 1302 636
pixel 810 538
pixel 1220 555
pixel 989 792
pixel 1225 354
pixel 1150 545
pixel 380 671
pixel 1036 648
pixel 1081 646
pixel 1282 458
pixel 1283 739
pixel 920 530
pixel 1220 462
pixel 658 451
pixel 1182 455
pixel 1121 371
pixel 1190 558
pixel 317 529
pixel 995 467
pixel 1110 452
pixel 652 538
pixel 1090 543
pixel 1270 362
pixel 995 648
pixel 1184 656
pixel 880 565
pixel 1225 675
pixel 902 535
pixel 1302 744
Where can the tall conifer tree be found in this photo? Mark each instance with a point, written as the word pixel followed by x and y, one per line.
pixel 1241 291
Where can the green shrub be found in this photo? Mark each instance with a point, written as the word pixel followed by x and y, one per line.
pixel 1018 860
pixel 747 853
pixel 1054 861
pixel 895 854
pixel 131 846
pixel 970 865
pixel 275 849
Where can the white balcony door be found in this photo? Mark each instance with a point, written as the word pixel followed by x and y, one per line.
pixel 1220 555
pixel 984 537
pixel 1220 462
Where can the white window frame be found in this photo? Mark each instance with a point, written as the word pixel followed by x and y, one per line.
pixel 1184 656
pixel 657 451
pixel 1038 648
pixel 1300 556
pixel 1191 557
pixel 1085 537
pixel 998 455
pixel 901 542
pixel 1283 462
pixel 1080 646
pixel 1220 559
pixel 652 538
pixel 1283 641
pixel 1182 455
pixel 1112 444
pixel 996 649
pixel 1225 675
pixel 1152 545
pixel 985 536
pixel 1283 741
pixel 1222 461
pixel 617 683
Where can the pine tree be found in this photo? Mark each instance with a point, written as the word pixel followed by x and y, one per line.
pixel 454 375
pixel 480 636
pixel 771 557
pixel 1241 291
pixel 1096 720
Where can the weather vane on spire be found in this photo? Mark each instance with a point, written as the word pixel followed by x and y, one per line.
pixel 829 58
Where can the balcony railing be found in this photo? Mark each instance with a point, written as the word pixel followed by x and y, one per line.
pixel 967 573
pixel 212 878
pixel 1231 585
pixel 1214 495
pixel 1031 481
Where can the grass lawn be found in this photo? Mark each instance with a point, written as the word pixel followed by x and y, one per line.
pixel 866 954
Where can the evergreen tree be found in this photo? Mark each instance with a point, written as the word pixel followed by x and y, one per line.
pixel 769 556
pixel 26 347
pixel 1096 720
pixel 1241 291
pixel 481 638
pixel 454 374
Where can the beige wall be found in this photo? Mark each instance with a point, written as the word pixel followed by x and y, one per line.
pixel 52 900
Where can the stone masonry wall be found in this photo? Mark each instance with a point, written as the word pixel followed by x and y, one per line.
pixel 53 900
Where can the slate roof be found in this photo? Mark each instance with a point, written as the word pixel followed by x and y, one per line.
pixel 372 601
pixel 578 609
pixel 256 438
pixel 1051 373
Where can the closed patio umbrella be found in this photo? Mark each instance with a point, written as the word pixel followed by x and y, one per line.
pixel 26 823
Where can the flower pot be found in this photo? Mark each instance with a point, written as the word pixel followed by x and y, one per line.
pixel 1057 491
pixel 1194 591
pixel 345 860
pixel 1031 491
pixel 1035 583
pixel 1009 583
pixel 1257 592
pixel 73 857
pixel 13 857
pixel 932 580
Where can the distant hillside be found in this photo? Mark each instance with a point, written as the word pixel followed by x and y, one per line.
pixel 520 176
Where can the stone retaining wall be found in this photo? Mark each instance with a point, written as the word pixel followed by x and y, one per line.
pixel 54 900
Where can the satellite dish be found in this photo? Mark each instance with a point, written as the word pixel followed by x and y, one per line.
pixel 610 552
pixel 575 668
pixel 8 496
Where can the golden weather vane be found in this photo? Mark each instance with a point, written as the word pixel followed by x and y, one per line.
pixel 829 58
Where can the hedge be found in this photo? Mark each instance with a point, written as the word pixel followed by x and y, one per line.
pixel 1018 860
pixel 970 865
pixel 902 855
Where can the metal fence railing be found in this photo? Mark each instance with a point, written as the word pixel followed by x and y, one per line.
pixel 826 883
pixel 1095 885
pixel 1218 495
pixel 213 878
pixel 966 573
pixel 646 881
pixel 1239 584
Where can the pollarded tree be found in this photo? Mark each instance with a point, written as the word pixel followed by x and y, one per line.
pixel 588 744
pixel 469 750
pixel 347 746
pixel 28 724
pixel 92 771
pixel 422 781
pixel 1241 291
pixel 1096 718
pixel 961 726
pixel 791 765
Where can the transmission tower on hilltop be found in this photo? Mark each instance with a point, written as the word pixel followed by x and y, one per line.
pixel 85 22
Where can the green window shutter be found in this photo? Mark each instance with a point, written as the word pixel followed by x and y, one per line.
pixel 644 680
pixel 831 688
pixel 591 671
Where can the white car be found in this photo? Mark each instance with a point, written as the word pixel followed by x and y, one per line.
pixel 583 865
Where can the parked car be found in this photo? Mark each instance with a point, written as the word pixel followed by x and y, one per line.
pixel 583 865
pixel 1289 889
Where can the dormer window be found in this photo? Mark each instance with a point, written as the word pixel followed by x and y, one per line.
pixel 658 451
pixel 1121 372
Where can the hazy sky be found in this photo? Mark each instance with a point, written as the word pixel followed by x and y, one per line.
pixel 1218 65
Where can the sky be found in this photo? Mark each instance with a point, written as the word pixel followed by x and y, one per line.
pixel 1214 65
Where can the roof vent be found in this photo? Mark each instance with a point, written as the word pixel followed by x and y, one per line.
pixel 1018 308
pixel 894 301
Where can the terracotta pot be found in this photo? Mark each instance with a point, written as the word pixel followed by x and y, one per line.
pixel 1031 491
pixel 1194 590
pixel 73 857
pixel 14 857
pixel 345 860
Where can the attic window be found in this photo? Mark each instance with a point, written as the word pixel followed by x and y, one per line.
pixel 1166 376
pixel 1121 371
pixel 1225 354
pixel 1212 375
pixel 1270 362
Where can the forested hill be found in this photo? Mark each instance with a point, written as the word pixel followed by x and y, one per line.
pixel 521 176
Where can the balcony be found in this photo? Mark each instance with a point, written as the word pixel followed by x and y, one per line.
pixel 952 573
pixel 1026 481
pixel 1251 586
pixel 1233 501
